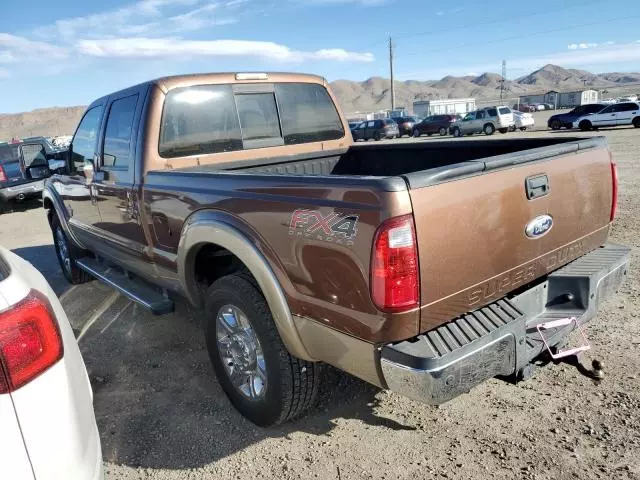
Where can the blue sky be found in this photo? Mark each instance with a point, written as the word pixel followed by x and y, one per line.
pixel 68 52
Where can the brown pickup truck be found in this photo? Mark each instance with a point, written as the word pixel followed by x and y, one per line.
pixel 422 267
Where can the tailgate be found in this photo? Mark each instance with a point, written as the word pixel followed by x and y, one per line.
pixel 472 240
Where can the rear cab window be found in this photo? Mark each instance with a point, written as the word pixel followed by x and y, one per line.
pixel 9 153
pixel 213 118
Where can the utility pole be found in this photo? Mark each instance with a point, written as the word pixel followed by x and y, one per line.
pixel 504 78
pixel 393 92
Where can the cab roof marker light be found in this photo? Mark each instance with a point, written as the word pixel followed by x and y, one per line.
pixel 251 76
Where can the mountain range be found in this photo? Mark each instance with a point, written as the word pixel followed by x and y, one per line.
pixel 375 94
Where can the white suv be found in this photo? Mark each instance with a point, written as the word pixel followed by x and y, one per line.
pixel 486 120
pixel 626 113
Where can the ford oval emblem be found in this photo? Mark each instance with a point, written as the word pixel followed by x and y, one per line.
pixel 539 226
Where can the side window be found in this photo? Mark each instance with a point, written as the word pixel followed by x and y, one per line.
pixel 492 112
pixel 307 113
pixel 84 141
pixel 480 114
pixel 199 120
pixel 117 138
pixel 362 126
pixel 609 109
pixel 630 107
pixel 371 124
pixel 258 117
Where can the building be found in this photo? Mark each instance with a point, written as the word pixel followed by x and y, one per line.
pixel 444 106
pixel 562 99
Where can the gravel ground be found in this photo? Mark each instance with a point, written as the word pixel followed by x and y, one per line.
pixel 162 414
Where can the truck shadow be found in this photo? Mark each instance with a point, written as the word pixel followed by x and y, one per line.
pixel 43 257
pixel 159 405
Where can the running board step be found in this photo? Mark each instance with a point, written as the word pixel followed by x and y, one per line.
pixel 137 291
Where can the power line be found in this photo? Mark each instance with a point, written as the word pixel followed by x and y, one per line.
pixel 493 22
pixel 393 93
pixel 519 36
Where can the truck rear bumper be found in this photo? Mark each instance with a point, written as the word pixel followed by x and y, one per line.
pixel 21 191
pixel 502 338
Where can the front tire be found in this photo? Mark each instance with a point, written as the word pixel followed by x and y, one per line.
pixel 585 125
pixel 416 133
pixel 522 129
pixel 636 122
pixel 67 254
pixel 504 130
pixel 377 137
pixel 456 132
pixel 263 381
pixel 442 131
pixel 556 125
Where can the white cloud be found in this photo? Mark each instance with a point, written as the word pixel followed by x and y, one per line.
pixel 145 17
pixel 14 49
pixel 584 46
pixel 172 47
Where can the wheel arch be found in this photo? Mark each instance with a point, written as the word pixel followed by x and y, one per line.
pixel 214 229
pixel 52 203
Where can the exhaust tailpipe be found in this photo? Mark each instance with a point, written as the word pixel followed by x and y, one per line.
pixel 20 197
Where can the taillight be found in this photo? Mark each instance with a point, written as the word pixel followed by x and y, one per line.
pixel 3 177
pixel 395 285
pixel 614 188
pixel 30 341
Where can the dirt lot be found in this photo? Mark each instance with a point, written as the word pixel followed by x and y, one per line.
pixel 162 414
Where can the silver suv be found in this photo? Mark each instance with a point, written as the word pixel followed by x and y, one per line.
pixel 485 120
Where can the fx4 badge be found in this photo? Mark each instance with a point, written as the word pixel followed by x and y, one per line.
pixel 333 227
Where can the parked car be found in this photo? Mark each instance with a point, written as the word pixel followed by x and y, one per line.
pixel 435 124
pixel 524 107
pixel 405 125
pixel 376 130
pixel 486 120
pixel 614 115
pixel 353 125
pixel 565 120
pixel 422 267
pixel 522 121
pixel 24 166
pixel 47 426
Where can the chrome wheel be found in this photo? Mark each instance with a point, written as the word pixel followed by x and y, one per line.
pixel 241 352
pixel 63 250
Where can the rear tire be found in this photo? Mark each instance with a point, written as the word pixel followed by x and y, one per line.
pixel 556 125
pixel 416 133
pixel 585 125
pixel 289 386
pixel 636 122
pixel 442 131
pixel 456 132
pixel 488 129
pixel 67 254
pixel 377 137
pixel 503 130
pixel 522 129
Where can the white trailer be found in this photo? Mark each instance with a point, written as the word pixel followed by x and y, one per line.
pixel 452 106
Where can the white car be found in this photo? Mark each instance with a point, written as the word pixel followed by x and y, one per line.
pixel 523 120
pixel 627 113
pixel 47 426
